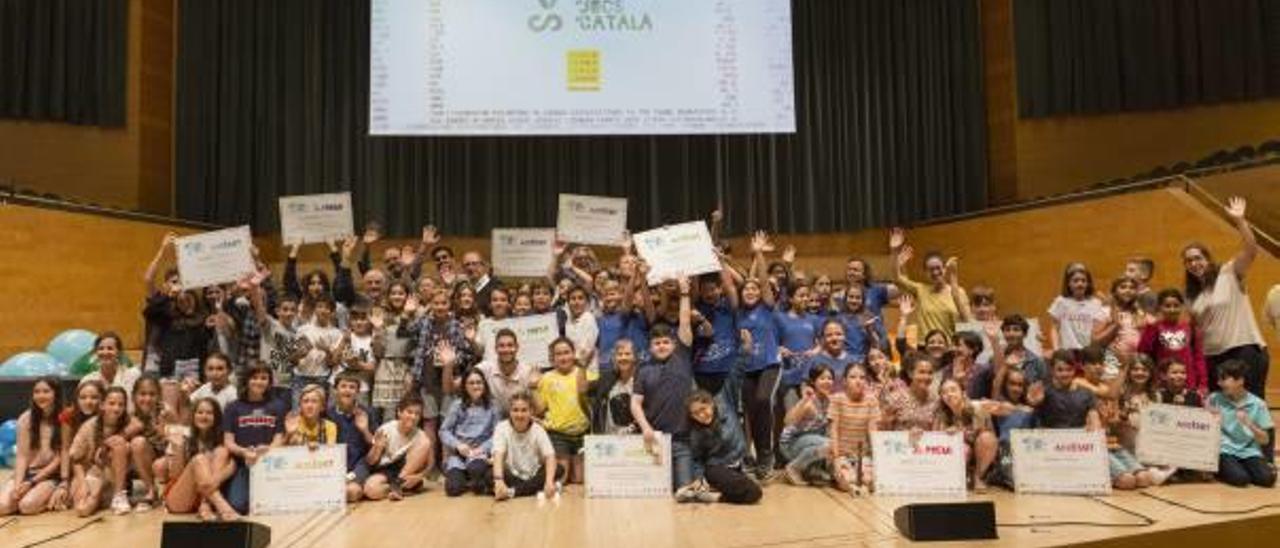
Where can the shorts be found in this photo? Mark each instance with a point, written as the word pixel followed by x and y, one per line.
pixel 361 473
pixel 1122 462
pixel 566 445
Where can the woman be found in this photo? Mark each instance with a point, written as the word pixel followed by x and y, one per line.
pixel 100 456
pixel 804 440
pixel 199 464
pixel 611 395
pixel 107 350
pixel 36 468
pixel 251 426
pixel 912 407
pixel 1221 307
pixel 942 302
pixel 467 436
pixel 956 415
pixel 392 377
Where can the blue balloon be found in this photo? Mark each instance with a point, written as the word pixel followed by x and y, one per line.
pixel 8 454
pixel 70 345
pixel 9 432
pixel 30 364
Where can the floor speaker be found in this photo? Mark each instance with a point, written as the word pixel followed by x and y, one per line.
pixel 947 521
pixel 234 534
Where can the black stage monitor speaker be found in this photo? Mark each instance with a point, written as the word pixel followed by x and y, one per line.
pixel 947 521
pixel 235 534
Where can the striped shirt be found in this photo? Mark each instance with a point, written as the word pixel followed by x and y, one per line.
pixel 851 421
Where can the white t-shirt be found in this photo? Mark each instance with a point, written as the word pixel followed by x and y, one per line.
pixel 502 387
pixel 398 444
pixel 362 349
pixel 1076 320
pixel 225 396
pixel 525 451
pixel 1225 316
pixel 322 339
pixel 583 331
pixel 125 378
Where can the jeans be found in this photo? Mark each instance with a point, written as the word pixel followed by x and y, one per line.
pixel 1257 362
pixel 805 450
pixel 1239 472
pixel 681 461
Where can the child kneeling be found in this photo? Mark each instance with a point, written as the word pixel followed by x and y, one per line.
pixel 718 452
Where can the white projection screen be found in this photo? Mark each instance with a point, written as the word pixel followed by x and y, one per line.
pixel 580 67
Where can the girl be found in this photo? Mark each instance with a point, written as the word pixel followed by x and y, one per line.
pixel 956 415
pixel 522 306
pixel 804 438
pixel 88 399
pixel 1121 331
pixel 35 470
pixel 523 458
pixel 715 438
pixel 611 413
pixel 1010 408
pixel 251 426
pixel 823 302
pixel 853 415
pixel 107 351
pixel 559 400
pixel 400 453
pixel 797 328
pixel 199 464
pixel 1221 308
pixel 914 406
pixel 186 334
pixel 763 369
pixel 1174 337
pixel 1126 472
pixel 100 456
pixel 1139 392
pixel 464 304
pixel 881 373
pixel 467 437
pixel 1076 310
pixel 833 352
pixel 308 426
pixel 442 348
pixel 320 343
pixel 859 325
pixel 392 378
pixel 147 448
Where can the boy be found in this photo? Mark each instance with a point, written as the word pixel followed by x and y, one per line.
pixel 279 338
pixel 361 358
pixel 400 454
pixel 1063 404
pixel 523 458
pixel 319 344
pixel 1016 356
pixel 1175 390
pixel 717 348
pixel 1245 420
pixel 660 391
pixel 352 418
pixel 1141 269
pixel 217 373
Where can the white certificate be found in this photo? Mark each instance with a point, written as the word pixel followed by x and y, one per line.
pixel 933 466
pixel 677 251
pixel 534 334
pixel 523 252
pixel 1061 462
pixel 316 218
pixel 211 258
pixel 597 220
pixel 297 479
pixel 1031 341
pixel 1185 437
pixel 620 467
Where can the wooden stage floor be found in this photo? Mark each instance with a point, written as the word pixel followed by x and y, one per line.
pixel 787 517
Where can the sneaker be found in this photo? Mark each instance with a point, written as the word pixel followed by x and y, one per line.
pixel 1160 475
pixel 707 496
pixel 795 475
pixel 688 493
pixel 120 503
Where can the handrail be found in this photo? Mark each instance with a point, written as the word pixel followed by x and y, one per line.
pixel 1196 190
pixel 1148 184
pixel 9 195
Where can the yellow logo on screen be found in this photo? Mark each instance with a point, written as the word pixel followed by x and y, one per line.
pixel 583 69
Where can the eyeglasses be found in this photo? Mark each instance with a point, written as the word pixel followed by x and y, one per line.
pixel 473 263
pixel 443 257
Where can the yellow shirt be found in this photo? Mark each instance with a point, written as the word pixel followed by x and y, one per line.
pixel 559 392
pixel 311 434
pixel 934 309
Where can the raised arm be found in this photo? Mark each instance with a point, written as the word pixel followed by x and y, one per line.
pixel 290 277
pixel 685 331
pixel 760 245
pixel 1248 243
pixel 729 283
pixel 958 294
pixel 149 277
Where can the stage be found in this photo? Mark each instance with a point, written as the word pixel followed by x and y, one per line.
pixel 787 517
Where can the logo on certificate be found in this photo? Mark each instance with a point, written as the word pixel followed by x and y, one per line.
pixel 583 69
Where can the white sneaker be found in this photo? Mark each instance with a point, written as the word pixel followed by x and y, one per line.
pixel 1161 474
pixel 120 503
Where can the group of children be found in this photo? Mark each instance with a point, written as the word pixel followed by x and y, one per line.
pixel 750 373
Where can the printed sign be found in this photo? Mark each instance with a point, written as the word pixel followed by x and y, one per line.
pixel 621 467
pixel 933 465
pixel 1185 437
pixel 523 252
pixel 677 251
pixel 212 258
pixel 1060 462
pixel 316 218
pixel 298 479
pixel 597 220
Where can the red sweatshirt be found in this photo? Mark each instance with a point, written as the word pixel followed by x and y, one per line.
pixel 1180 341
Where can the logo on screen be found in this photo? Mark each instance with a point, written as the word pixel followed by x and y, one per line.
pixel 546 20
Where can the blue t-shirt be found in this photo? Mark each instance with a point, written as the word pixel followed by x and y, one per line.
pixel 350 435
pixel 1237 440
pixel 254 423
pixel 874 299
pixel 717 354
pixel 838 364
pixel 612 326
pixel 760 322
pixel 856 341
pixel 798 332
pixel 638 332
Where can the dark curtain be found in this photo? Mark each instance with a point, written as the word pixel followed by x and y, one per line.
pixel 273 100
pixel 64 60
pixel 1099 56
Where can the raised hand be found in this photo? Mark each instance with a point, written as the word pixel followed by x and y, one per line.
pixel 905 255
pixel 168 240
pixel 371 234
pixel 1236 207
pixel 789 254
pixel 430 236
pixel 683 284
pixel 293 249
pixel 377 317
pixel 333 245
pixel 906 304
pixel 953 270
pixel 897 237
pixel 411 305
pixel 760 242
pixel 446 354
pixel 717 215
pixel 348 246
pixel 559 248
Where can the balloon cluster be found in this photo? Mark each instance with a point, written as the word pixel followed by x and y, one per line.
pixel 69 349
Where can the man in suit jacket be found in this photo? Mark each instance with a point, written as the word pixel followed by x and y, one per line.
pixel 477 270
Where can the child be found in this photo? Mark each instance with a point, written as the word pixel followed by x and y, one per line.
pixel 833 352
pixel 1064 404
pixel 1095 377
pixel 87 401
pixel 715 349
pixel 1141 269
pixel 1245 420
pixel 1121 331
pixel 804 440
pixel 353 420
pixel 755 308
pixel 853 415
pixel 467 437
pixel 661 388
pixel 100 456
pixel 1076 310
pixel 913 406
pixel 392 377
pixel 35 469
pixel 581 329
pixel 859 324
pixel 279 337
pixel 251 426
pixel 718 448
pixel 199 465
pixel 148 447
pixel 956 415
pixel 1176 390
pixel 1126 472
pixel 523 458
pixel 560 396
pixel 217 374
pixel 398 459
pixel 320 345
pixel 361 354
pixel 308 426
pixel 1173 337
